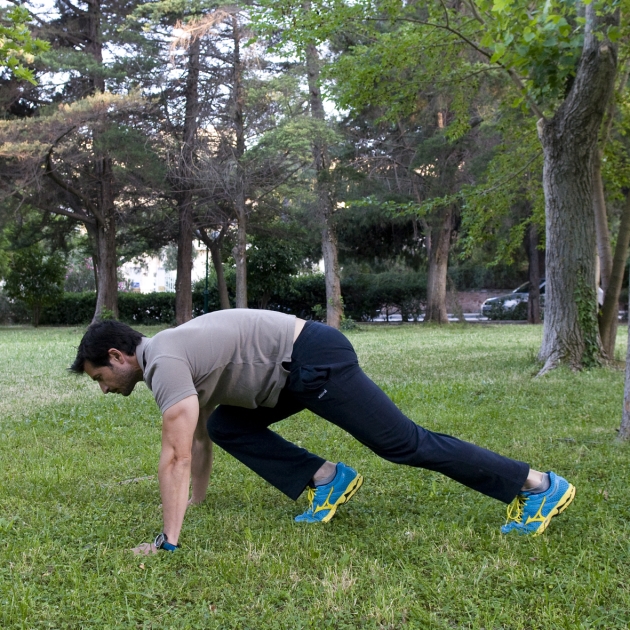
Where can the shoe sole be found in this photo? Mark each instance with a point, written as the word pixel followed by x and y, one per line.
pixel 560 507
pixel 351 490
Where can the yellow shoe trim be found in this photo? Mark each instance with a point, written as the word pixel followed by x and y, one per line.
pixel 561 506
pixel 353 486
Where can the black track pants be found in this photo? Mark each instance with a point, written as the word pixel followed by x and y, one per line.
pixel 326 379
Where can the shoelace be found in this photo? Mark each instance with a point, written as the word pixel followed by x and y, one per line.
pixel 515 509
pixel 311 498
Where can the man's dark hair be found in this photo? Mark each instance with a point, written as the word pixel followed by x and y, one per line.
pixel 98 340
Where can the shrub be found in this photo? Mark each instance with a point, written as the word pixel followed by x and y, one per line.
pixel 71 310
pixel 518 312
pixel 305 296
pixel 35 278
pixel 365 295
pixel 12 311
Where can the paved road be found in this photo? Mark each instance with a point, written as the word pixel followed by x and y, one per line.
pixel 473 317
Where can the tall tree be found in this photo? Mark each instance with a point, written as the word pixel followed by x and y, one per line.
pixel 184 193
pixel 86 162
pixel 324 192
pixel 561 60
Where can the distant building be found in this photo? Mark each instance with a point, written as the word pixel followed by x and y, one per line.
pixel 148 274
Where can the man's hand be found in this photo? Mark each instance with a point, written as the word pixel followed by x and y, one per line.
pixel 144 549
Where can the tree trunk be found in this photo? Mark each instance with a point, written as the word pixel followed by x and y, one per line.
pixel 240 250
pixel 609 319
pixel 215 252
pixel 604 250
pixel 215 246
pixel 624 429
pixel 569 141
pixel 438 269
pixel 334 305
pixel 107 289
pixel 183 283
pixel 533 303
pixel 325 197
pixel 240 254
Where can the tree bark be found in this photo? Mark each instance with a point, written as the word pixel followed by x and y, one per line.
pixel 107 288
pixel 624 429
pixel 324 194
pixel 240 254
pixel 604 251
pixel 215 246
pixel 240 250
pixel 609 319
pixel 533 303
pixel 183 282
pixel 569 140
pixel 438 269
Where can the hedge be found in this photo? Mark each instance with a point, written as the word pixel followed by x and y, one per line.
pixel 364 296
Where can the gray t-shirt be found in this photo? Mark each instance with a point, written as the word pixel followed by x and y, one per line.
pixel 230 357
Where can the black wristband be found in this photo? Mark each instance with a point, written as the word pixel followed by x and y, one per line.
pixel 161 542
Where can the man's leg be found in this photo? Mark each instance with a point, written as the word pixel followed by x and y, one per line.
pixel 244 434
pixel 326 379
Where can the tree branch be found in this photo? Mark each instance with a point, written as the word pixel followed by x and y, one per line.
pixel 446 27
pixel 50 172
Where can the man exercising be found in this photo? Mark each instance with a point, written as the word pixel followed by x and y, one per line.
pixel 227 376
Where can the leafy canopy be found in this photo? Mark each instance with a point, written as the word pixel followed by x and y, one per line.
pixel 17 45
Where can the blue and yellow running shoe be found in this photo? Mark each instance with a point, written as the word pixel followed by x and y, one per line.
pixel 324 500
pixel 531 513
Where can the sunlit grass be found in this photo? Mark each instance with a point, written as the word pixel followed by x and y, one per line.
pixel 412 550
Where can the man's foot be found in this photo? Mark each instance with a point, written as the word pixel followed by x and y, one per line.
pixel 531 513
pixel 324 500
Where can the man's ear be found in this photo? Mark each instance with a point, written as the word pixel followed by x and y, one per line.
pixel 116 356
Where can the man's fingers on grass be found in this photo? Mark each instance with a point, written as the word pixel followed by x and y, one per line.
pixel 144 549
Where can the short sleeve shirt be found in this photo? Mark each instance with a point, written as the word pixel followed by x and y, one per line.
pixel 229 357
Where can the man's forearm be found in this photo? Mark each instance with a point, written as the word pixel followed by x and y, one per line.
pixel 174 478
pixel 201 468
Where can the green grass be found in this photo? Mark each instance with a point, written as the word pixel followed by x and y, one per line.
pixel 412 550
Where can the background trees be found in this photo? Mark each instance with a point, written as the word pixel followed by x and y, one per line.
pixel 407 136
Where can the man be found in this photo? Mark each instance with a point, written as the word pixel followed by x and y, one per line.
pixel 227 376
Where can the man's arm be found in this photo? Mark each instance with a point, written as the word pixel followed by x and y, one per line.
pixel 178 429
pixel 201 458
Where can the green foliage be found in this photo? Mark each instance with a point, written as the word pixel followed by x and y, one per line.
pixel 35 278
pixel 12 311
pixel 542 43
pixel 271 262
pixel 79 273
pixel 498 208
pixel 366 295
pixel 18 47
pixel 301 295
pixel 500 313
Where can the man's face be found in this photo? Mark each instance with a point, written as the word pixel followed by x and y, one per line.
pixel 118 378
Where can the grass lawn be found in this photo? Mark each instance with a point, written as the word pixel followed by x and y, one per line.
pixel 411 550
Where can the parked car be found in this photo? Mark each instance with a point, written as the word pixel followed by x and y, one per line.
pixel 513 305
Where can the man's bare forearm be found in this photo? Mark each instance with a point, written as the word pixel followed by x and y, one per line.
pixel 174 478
